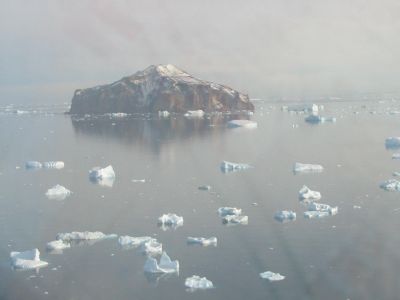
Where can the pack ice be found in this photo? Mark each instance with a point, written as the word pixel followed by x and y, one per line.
pixel 202 241
pixel 285 215
pixel 170 220
pixel 86 235
pixel 271 276
pixel 29 259
pixel 164 266
pixel 307 168
pixel 242 123
pixel 392 142
pixel 391 185
pixel 227 166
pixel 58 192
pixel 198 283
pixel 308 195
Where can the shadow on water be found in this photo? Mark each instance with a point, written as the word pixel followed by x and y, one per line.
pixel 150 132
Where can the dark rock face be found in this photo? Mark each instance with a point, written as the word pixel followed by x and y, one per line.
pixel 158 88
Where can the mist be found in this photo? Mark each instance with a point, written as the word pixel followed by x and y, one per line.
pixel 266 48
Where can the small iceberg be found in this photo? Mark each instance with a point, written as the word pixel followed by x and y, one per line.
pixel 316 119
pixel 151 247
pixel 27 260
pixel 58 165
pixel 234 220
pixel 392 142
pixel 165 265
pixel 57 246
pixel 104 177
pixel 204 187
pixel 194 114
pixel 315 214
pixel 128 242
pixel 58 192
pixel 86 235
pixel 225 211
pixel 322 208
pixel 33 165
pixel 307 168
pixel 285 216
pixel 170 220
pixel 227 167
pixel 391 185
pixel 198 283
pixel 242 123
pixel 212 241
pixel 271 276
pixel 307 195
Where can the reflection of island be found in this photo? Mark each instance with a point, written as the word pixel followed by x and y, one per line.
pixel 152 132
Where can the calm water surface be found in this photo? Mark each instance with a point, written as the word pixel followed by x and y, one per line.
pixel 353 255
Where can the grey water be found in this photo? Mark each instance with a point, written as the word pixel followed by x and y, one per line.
pixel 352 255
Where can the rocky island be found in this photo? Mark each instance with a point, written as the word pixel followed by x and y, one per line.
pixel 159 88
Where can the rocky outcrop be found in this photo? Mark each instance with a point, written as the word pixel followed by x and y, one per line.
pixel 158 88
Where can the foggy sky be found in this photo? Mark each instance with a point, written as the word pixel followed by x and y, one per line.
pixel 264 48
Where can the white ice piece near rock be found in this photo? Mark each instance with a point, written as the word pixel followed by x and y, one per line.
pixel 307 168
pixel 164 266
pixel 227 166
pixel 170 220
pixel 242 123
pixel 233 220
pixel 271 276
pixel 392 142
pixel 58 165
pixel 57 245
pixel 225 211
pixel 285 215
pixel 132 242
pixel 58 192
pixel 86 235
pixel 151 247
pixel 26 260
pixel 198 283
pixel 212 241
pixel 194 114
pixel 391 185
pixel 32 165
pixel 306 194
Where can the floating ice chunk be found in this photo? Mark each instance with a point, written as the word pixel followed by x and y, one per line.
pixel 27 260
pixel 322 208
pixel 194 113
pixel 315 214
pixel 315 119
pixel 170 220
pixel 233 220
pixel 227 166
pixel 117 115
pixel 271 276
pixel 104 177
pixel 212 241
pixel 198 283
pixel 242 123
pixel 163 113
pixel 57 245
pixel 307 168
pixel 138 180
pixel 396 156
pixel 132 242
pixel 86 235
pixel 225 211
pixel 392 142
pixel 285 216
pixel 58 192
pixel 151 247
pixel 391 185
pixel 306 194
pixel 165 265
pixel 205 187
pixel 53 165
pixel 305 108
pixel 33 165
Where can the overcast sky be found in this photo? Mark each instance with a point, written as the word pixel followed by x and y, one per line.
pixel 264 48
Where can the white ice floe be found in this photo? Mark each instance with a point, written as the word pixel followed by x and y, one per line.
pixel 194 113
pixel 57 245
pixel 225 211
pixel 212 241
pixel 58 192
pixel 315 214
pixel 53 165
pixel 285 215
pixel 99 173
pixel 86 235
pixel 315 119
pixel 33 165
pixel 163 113
pixel 132 242
pixel 307 168
pixel 271 276
pixel 204 187
pixel 29 259
pixel 396 156
pixel 198 283
pixel 306 194
pixel 170 220
pixel 322 208
pixel 227 166
pixel 391 185
pixel 242 123
pixel 165 265
pixel 233 220
pixel 138 180
pixel 392 142
pixel 151 247
pixel 304 108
